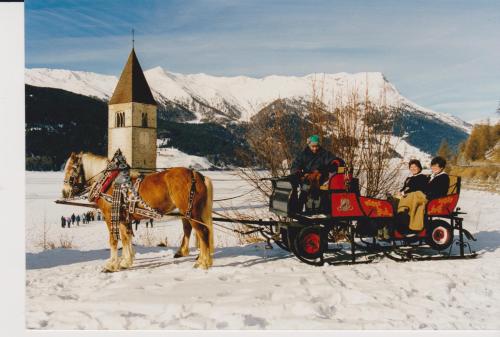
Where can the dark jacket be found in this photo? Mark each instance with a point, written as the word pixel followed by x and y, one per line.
pixel 322 161
pixel 415 183
pixel 437 187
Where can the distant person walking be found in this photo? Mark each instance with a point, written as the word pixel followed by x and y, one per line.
pixel 63 221
pixel 136 222
pixel 73 218
pixel 68 222
pixel 78 220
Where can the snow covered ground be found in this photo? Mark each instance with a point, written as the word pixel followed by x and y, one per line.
pixel 171 157
pixel 249 287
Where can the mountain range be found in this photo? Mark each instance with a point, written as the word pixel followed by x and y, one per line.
pixel 202 98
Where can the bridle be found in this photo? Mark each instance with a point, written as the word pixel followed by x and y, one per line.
pixel 76 179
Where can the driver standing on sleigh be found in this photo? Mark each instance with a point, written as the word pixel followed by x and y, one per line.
pixel 314 163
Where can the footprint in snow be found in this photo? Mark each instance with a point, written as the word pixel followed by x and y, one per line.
pixel 221 325
pixel 223 293
pixel 223 278
pixel 68 297
pixel 253 321
pixel 265 297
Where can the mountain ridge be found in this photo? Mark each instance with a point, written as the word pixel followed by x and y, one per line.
pixel 237 98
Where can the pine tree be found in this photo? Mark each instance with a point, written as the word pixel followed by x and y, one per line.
pixel 444 150
pixel 472 146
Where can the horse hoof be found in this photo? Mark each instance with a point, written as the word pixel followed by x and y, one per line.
pixel 125 265
pixel 200 266
pixel 180 254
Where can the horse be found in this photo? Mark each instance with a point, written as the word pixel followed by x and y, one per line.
pixel 163 191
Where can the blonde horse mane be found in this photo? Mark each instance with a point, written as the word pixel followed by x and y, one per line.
pixel 93 165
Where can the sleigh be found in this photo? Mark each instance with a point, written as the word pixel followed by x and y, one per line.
pixel 341 226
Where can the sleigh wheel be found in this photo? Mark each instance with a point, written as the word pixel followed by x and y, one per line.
pixel 310 245
pixel 440 235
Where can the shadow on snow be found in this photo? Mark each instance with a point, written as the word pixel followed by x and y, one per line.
pixel 487 241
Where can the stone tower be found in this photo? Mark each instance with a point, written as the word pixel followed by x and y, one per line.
pixel 132 118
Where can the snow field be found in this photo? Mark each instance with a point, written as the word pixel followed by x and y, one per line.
pixel 249 287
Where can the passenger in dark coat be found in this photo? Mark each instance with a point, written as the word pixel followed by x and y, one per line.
pixel 63 222
pixel 439 181
pixel 315 158
pixel 73 218
pixel 78 220
pixel 305 168
pixel 417 181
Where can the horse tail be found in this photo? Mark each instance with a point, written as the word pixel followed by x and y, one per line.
pixel 207 212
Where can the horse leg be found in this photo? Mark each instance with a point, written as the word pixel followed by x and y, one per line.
pixel 113 264
pixel 184 248
pixel 204 260
pixel 128 251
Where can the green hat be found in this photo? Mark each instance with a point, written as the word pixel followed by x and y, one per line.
pixel 313 140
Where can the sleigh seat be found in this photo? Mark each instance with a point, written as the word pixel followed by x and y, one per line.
pixel 444 206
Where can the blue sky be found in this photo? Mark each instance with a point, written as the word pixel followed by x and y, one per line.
pixel 444 55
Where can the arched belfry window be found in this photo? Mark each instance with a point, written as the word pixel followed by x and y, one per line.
pixel 120 119
pixel 144 120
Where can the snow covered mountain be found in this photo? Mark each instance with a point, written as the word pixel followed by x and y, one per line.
pixel 226 99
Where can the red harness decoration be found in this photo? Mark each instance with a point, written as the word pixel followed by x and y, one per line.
pixel 102 185
pixel 108 181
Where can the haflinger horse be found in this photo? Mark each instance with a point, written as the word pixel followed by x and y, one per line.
pixel 163 191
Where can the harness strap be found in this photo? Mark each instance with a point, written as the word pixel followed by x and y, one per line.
pixel 191 196
pixel 102 185
pixel 115 212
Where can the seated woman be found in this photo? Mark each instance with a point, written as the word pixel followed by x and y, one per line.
pixel 413 203
pixel 439 180
pixel 417 181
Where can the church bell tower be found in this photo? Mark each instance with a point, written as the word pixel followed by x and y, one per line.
pixel 132 118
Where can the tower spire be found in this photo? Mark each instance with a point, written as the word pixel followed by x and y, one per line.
pixel 133 38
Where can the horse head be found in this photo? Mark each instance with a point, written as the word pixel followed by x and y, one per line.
pixel 74 176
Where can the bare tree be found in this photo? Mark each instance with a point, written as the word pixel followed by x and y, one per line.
pixel 355 128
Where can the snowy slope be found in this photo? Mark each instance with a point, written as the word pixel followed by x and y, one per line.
pixel 249 287
pixel 240 97
pixel 408 152
pixel 171 157
pixel 80 82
